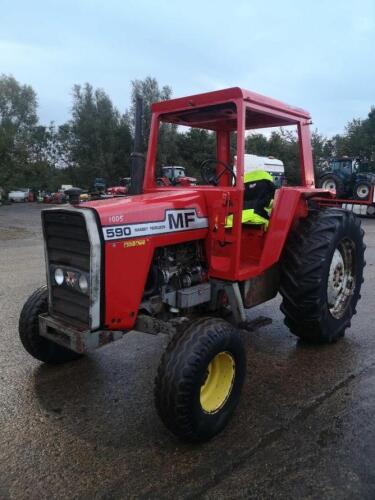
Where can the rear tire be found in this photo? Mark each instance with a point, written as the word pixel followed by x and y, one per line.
pixel 200 378
pixel 332 181
pixel 321 275
pixel 39 347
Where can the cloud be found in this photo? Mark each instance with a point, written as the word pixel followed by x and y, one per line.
pixel 316 55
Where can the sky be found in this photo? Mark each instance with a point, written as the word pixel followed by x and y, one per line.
pixel 318 55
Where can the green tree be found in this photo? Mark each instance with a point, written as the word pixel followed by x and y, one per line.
pixel 360 136
pixel 150 92
pixel 281 144
pixel 194 146
pixel 257 144
pixel 358 139
pixel 97 141
pixel 18 119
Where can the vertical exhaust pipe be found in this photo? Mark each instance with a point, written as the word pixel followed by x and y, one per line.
pixel 137 158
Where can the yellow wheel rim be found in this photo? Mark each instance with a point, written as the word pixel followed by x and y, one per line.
pixel 218 382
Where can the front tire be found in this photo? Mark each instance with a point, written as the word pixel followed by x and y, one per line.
pixel 199 379
pixel 39 347
pixel 322 274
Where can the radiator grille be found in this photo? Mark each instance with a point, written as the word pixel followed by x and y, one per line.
pixel 67 244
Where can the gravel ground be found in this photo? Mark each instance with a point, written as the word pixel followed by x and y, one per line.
pixel 303 429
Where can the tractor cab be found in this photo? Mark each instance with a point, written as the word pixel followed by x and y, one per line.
pixel 173 172
pixel 221 120
pixel 343 167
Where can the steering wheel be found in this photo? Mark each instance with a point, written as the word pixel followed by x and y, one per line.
pixel 209 174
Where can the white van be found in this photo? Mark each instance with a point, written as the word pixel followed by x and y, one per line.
pixel 19 195
pixel 270 164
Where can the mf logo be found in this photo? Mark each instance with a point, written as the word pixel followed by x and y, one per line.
pixel 181 220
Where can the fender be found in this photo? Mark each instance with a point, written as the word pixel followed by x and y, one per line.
pixel 291 204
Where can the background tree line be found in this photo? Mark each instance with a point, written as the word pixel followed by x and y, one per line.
pixel 97 139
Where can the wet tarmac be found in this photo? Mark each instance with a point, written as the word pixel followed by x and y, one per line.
pixel 304 427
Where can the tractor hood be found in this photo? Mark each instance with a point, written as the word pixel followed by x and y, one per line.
pixel 151 214
pixel 366 176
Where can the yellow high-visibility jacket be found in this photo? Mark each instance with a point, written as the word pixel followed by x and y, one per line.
pixel 249 216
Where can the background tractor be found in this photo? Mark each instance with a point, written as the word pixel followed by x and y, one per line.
pixel 349 177
pixel 174 175
pixel 163 260
pixel 121 189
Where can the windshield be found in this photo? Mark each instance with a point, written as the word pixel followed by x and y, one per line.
pixel 188 147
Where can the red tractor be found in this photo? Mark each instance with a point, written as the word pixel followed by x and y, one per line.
pixel 175 176
pixel 167 261
pixel 122 189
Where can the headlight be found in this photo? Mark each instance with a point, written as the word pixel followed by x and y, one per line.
pixel 83 284
pixel 59 276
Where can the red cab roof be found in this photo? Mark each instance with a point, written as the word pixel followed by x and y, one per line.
pixel 213 110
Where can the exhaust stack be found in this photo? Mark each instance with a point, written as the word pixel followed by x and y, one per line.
pixel 137 158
